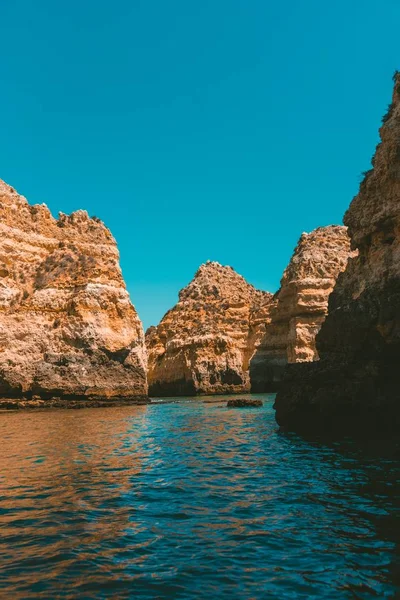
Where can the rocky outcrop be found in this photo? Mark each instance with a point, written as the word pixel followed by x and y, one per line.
pixel 355 385
pixel 225 336
pixel 67 327
pixel 294 319
pixel 244 403
pixel 203 344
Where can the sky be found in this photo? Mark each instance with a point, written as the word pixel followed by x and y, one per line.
pixel 196 130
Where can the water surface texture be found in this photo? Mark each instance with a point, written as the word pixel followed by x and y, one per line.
pixel 191 500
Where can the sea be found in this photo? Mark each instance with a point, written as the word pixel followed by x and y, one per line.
pixel 187 498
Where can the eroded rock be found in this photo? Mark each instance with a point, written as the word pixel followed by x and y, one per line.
pixel 355 386
pixel 67 326
pixel 293 320
pixel 202 344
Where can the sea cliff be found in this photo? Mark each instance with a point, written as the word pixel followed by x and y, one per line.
pixel 300 305
pixel 203 344
pixel 68 330
pixel 355 385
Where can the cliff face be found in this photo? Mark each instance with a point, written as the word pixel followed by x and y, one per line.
pixel 301 305
pixel 224 336
pixel 356 383
pixel 202 344
pixel 67 327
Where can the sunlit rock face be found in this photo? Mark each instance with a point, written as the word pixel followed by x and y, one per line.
pixel 204 343
pixel 356 383
pixel 224 336
pixel 67 326
pixel 300 306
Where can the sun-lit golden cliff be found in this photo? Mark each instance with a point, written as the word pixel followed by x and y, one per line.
pixel 67 326
pixel 300 306
pixel 202 345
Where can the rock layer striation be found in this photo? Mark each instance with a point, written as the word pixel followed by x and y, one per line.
pixel 203 344
pixel 67 326
pixel 355 386
pixel 300 306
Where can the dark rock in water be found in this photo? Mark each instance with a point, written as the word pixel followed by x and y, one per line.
pixel 355 385
pixel 243 403
pixel 36 402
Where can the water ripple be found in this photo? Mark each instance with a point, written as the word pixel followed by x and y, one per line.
pixel 191 500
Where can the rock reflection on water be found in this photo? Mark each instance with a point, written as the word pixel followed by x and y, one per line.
pixel 190 500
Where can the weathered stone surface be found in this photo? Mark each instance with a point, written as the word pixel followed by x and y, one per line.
pixel 294 319
pixel 225 336
pixel 355 386
pixel 67 327
pixel 202 345
pixel 244 403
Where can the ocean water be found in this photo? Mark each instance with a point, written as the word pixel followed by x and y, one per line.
pixel 192 500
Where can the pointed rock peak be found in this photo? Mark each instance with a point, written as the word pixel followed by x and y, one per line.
pixel 213 280
pixel 203 344
pixel 212 268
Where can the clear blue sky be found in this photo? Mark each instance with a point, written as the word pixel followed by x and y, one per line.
pixel 195 129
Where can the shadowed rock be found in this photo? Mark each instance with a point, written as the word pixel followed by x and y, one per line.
pixel 355 385
pixel 293 320
pixel 243 403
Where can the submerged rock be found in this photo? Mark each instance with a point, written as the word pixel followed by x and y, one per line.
pixel 67 326
pixel 202 344
pixel 300 306
pixel 244 403
pixel 355 385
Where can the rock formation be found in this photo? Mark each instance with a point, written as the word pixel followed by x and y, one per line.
pixel 67 327
pixel 301 305
pixel 356 383
pixel 225 336
pixel 202 344
pixel 244 403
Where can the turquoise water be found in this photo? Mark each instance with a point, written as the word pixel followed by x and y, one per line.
pixel 191 500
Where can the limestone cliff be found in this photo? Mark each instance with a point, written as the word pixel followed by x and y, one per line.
pixel 67 327
pixel 356 383
pixel 294 320
pixel 202 344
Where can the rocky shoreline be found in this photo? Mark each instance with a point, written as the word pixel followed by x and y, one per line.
pixel 328 340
